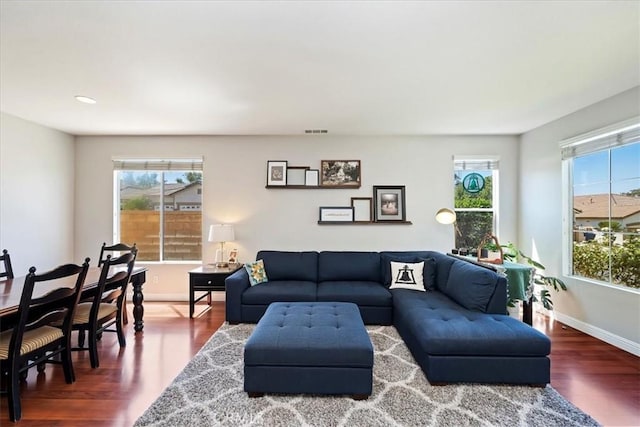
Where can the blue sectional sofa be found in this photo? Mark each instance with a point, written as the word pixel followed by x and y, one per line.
pixel 457 328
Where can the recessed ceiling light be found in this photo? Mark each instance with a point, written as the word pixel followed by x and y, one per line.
pixel 85 99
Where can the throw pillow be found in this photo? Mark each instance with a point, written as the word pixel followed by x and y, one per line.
pixel 429 272
pixel 256 272
pixel 406 275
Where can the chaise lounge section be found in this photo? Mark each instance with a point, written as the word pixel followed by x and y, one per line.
pixel 455 326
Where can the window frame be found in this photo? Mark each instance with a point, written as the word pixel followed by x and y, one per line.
pixel 159 166
pixel 587 143
pixel 493 165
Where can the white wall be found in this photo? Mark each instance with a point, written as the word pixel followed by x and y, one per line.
pixel 234 192
pixel 611 314
pixel 36 195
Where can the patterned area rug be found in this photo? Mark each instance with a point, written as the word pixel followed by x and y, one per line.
pixel 209 392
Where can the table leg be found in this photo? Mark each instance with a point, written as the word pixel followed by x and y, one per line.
pixel 527 311
pixel 138 310
pixel 192 301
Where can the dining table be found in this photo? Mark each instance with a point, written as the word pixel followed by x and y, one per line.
pixel 11 292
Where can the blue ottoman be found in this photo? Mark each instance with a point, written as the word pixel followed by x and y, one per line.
pixel 309 347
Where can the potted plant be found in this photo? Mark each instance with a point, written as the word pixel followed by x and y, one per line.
pixel 511 253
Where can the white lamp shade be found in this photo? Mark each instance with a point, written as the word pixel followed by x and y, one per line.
pixel 446 216
pixel 221 233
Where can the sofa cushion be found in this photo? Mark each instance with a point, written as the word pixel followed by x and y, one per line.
pixel 442 327
pixel 280 290
pixel 363 266
pixel 256 272
pixel 290 265
pixel 358 292
pixel 428 272
pixel 470 285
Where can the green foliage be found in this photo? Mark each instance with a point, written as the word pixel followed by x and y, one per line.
pixel 610 225
pixel 142 203
pixel 193 176
pixel 591 260
pixel 144 180
pixel 473 227
pixel 482 199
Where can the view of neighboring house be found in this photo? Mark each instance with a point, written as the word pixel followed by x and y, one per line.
pixel 177 196
pixel 593 209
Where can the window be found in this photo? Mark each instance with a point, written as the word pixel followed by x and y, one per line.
pixel 158 207
pixel 603 196
pixel 475 181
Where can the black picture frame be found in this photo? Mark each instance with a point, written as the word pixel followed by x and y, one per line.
pixel 389 203
pixel 335 214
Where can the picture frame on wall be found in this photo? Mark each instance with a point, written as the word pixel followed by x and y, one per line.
pixel 340 173
pixel 296 175
pixel 362 209
pixel 336 214
pixel 277 173
pixel 312 177
pixel 389 203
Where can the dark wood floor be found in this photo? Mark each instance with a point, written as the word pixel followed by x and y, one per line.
pixel 598 378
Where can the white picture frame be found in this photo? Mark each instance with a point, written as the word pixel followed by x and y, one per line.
pixel 312 178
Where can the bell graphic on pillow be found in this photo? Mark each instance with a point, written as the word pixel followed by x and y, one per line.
pixel 405 276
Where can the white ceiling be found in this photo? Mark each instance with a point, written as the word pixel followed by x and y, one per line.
pixel 247 68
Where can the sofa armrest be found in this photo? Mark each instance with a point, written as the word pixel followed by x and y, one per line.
pixel 235 285
pixel 498 302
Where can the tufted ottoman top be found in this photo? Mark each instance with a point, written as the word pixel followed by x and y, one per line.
pixel 310 334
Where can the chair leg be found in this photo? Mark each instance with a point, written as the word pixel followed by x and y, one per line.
pixel 121 338
pixel 81 337
pixel 15 409
pixel 93 348
pixel 125 316
pixel 67 366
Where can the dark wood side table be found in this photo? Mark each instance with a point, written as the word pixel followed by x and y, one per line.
pixel 208 278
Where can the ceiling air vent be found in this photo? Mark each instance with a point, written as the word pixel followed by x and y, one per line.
pixel 315 131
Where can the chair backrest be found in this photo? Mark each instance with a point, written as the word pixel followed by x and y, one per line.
pixel 114 278
pixel 54 306
pixel 6 261
pixel 118 247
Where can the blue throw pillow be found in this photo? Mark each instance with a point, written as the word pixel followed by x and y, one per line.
pixel 428 274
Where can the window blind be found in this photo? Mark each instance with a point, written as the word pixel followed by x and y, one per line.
pixel 602 139
pixel 461 164
pixel 193 164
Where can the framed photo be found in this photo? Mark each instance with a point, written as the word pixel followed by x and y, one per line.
pixel 362 209
pixel 312 177
pixel 296 175
pixel 233 256
pixel 389 203
pixel 340 173
pixel 336 214
pixel 277 172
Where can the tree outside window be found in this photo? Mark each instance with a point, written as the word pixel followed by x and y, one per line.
pixel 474 201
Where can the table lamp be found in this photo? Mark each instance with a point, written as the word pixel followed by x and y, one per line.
pixel 221 233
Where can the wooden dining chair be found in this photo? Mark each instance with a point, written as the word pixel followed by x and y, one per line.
pixel 105 309
pixel 35 339
pixel 119 248
pixel 6 261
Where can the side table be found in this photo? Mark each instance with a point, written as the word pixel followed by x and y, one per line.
pixel 208 278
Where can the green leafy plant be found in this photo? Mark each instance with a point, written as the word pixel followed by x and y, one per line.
pixel 512 253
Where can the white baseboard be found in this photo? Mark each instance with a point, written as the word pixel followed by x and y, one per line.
pixel 601 334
